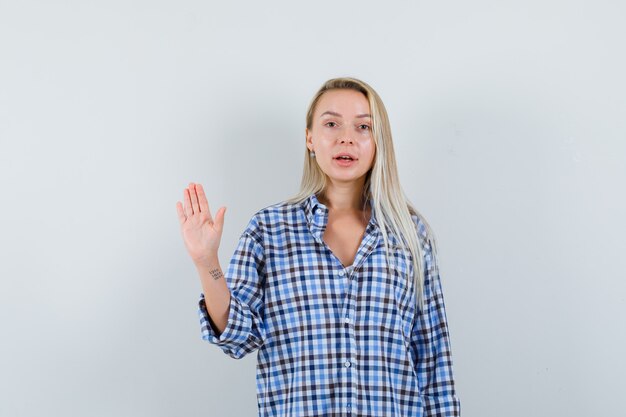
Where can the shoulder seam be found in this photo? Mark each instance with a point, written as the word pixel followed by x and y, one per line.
pixel 252 236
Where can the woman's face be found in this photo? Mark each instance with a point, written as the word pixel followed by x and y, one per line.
pixel 342 124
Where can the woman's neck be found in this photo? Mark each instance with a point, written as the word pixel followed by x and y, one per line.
pixel 343 199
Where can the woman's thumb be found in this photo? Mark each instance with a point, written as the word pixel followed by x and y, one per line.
pixel 219 219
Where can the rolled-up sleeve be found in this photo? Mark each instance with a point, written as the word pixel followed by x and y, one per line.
pixel 434 356
pixel 244 277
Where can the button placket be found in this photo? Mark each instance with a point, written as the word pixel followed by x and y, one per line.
pixel 349 363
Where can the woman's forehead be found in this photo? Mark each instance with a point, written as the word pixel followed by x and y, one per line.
pixel 343 103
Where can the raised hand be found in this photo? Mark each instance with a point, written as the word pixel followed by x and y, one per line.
pixel 201 233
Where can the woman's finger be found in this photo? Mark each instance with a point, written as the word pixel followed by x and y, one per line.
pixel 194 198
pixel 181 214
pixel 188 208
pixel 204 203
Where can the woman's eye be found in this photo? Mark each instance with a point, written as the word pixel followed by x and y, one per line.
pixel 327 123
pixel 366 127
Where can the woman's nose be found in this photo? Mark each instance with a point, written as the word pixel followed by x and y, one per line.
pixel 345 137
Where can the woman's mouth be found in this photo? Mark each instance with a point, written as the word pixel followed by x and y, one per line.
pixel 344 162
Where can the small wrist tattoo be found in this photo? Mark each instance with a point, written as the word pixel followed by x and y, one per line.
pixel 215 273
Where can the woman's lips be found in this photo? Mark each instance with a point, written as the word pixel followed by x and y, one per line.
pixel 345 162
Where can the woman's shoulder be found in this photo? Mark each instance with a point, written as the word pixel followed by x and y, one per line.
pixel 273 218
pixel 424 230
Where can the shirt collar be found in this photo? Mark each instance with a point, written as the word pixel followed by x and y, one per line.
pixel 317 217
pixel 314 210
pixel 317 213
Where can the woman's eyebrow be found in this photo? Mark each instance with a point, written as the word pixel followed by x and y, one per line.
pixel 332 113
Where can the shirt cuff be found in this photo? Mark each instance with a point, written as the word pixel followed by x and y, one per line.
pixel 237 327
pixel 442 405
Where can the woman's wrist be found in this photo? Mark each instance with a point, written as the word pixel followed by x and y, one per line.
pixel 207 262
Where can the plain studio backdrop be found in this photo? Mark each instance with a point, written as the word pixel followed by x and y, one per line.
pixel 510 133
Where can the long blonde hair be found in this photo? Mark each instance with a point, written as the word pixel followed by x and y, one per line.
pixel 382 185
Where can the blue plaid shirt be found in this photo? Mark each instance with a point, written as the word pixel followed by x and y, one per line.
pixel 334 340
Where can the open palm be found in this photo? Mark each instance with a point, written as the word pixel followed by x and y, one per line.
pixel 201 233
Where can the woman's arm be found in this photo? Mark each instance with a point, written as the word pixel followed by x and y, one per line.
pixel 244 331
pixel 434 356
pixel 229 308
pixel 201 235
pixel 216 294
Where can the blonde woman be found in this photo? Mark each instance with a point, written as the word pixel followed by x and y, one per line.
pixel 337 287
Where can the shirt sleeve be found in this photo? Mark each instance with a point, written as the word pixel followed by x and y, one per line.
pixel 434 357
pixel 244 277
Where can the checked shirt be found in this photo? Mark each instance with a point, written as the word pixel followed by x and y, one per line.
pixel 334 340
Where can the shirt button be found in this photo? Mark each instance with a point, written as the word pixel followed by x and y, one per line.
pixel 347 320
pixel 341 273
pixel 347 364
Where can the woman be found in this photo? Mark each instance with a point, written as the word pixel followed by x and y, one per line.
pixel 338 287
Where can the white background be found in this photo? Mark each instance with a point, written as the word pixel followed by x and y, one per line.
pixel 509 128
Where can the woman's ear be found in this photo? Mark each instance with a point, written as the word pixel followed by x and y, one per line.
pixel 309 139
